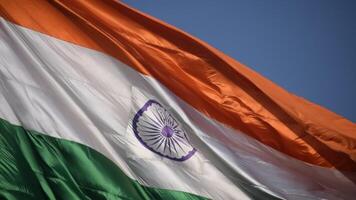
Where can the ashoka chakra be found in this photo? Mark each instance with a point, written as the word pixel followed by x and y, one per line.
pixel 161 133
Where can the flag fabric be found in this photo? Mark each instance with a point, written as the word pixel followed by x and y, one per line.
pixel 101 101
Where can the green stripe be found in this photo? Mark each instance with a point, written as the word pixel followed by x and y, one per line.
pixel 36 166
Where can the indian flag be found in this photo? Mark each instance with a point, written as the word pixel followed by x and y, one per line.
pixel 100 101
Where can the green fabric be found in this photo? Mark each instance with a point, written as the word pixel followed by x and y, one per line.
pixel 36 166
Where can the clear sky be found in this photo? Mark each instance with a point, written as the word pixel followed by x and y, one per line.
pixel 307 47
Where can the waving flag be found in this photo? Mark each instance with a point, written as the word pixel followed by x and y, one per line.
pixel 100 101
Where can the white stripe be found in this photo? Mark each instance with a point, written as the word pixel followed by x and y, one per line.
pixel 78 94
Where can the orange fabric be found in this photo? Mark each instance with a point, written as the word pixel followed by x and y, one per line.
pixel 210 81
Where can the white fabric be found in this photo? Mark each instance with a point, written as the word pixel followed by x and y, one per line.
pixel 74 93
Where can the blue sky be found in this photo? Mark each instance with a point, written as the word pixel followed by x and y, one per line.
pixel 307 47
